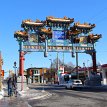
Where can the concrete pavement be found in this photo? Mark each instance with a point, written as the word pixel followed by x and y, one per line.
pixel 31 94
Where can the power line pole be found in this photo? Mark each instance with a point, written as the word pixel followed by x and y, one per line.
pixel 77 65
pixel 57 61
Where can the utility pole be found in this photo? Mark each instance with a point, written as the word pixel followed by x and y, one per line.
pixel 77 65
pixel 63 62
pixel 57 61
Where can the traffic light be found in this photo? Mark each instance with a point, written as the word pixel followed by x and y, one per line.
pixel 15 63
pixel 73 55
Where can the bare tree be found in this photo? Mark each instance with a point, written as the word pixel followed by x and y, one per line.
pixel 68 67
pixel 56 62
pixel 70 64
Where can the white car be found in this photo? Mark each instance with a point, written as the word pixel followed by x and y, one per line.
pixel 76 83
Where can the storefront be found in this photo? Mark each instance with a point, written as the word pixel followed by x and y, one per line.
pixel 35 75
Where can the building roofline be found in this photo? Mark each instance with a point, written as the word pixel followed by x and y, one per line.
pixel 35 68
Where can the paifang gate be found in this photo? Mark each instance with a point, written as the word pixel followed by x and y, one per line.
pixel 56 35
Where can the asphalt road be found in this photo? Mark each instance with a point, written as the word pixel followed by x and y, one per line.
pixel 70 98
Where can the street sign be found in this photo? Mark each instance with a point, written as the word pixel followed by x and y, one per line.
pixel 59 35
pixel 41 48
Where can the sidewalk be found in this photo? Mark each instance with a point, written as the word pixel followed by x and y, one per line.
pixel 22 98
pixel 1 94
pixel 31 94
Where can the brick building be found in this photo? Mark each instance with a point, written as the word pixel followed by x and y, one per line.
pixel 36 75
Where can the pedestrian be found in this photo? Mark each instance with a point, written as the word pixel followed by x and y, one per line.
pixel 9 83
pixel 14 84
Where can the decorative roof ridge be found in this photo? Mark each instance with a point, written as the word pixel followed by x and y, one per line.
pixel 22 33
pixel 29 22
pixel 84 25
pixel 65 19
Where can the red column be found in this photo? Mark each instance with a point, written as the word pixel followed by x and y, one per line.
pixel 94 61
pixel 21 63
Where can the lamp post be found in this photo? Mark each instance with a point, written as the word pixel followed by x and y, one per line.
pixel 43 75
pixel 51 70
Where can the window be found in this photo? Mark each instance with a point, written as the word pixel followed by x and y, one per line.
pixel 36 72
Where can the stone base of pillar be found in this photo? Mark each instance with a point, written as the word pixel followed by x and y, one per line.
pixel 104 75
pixel 29 80
pixel 93 80
pixel 21 85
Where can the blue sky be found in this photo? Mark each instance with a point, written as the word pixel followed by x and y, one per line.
pixel 14 11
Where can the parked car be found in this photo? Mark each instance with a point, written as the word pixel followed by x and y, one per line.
pixel 72 84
